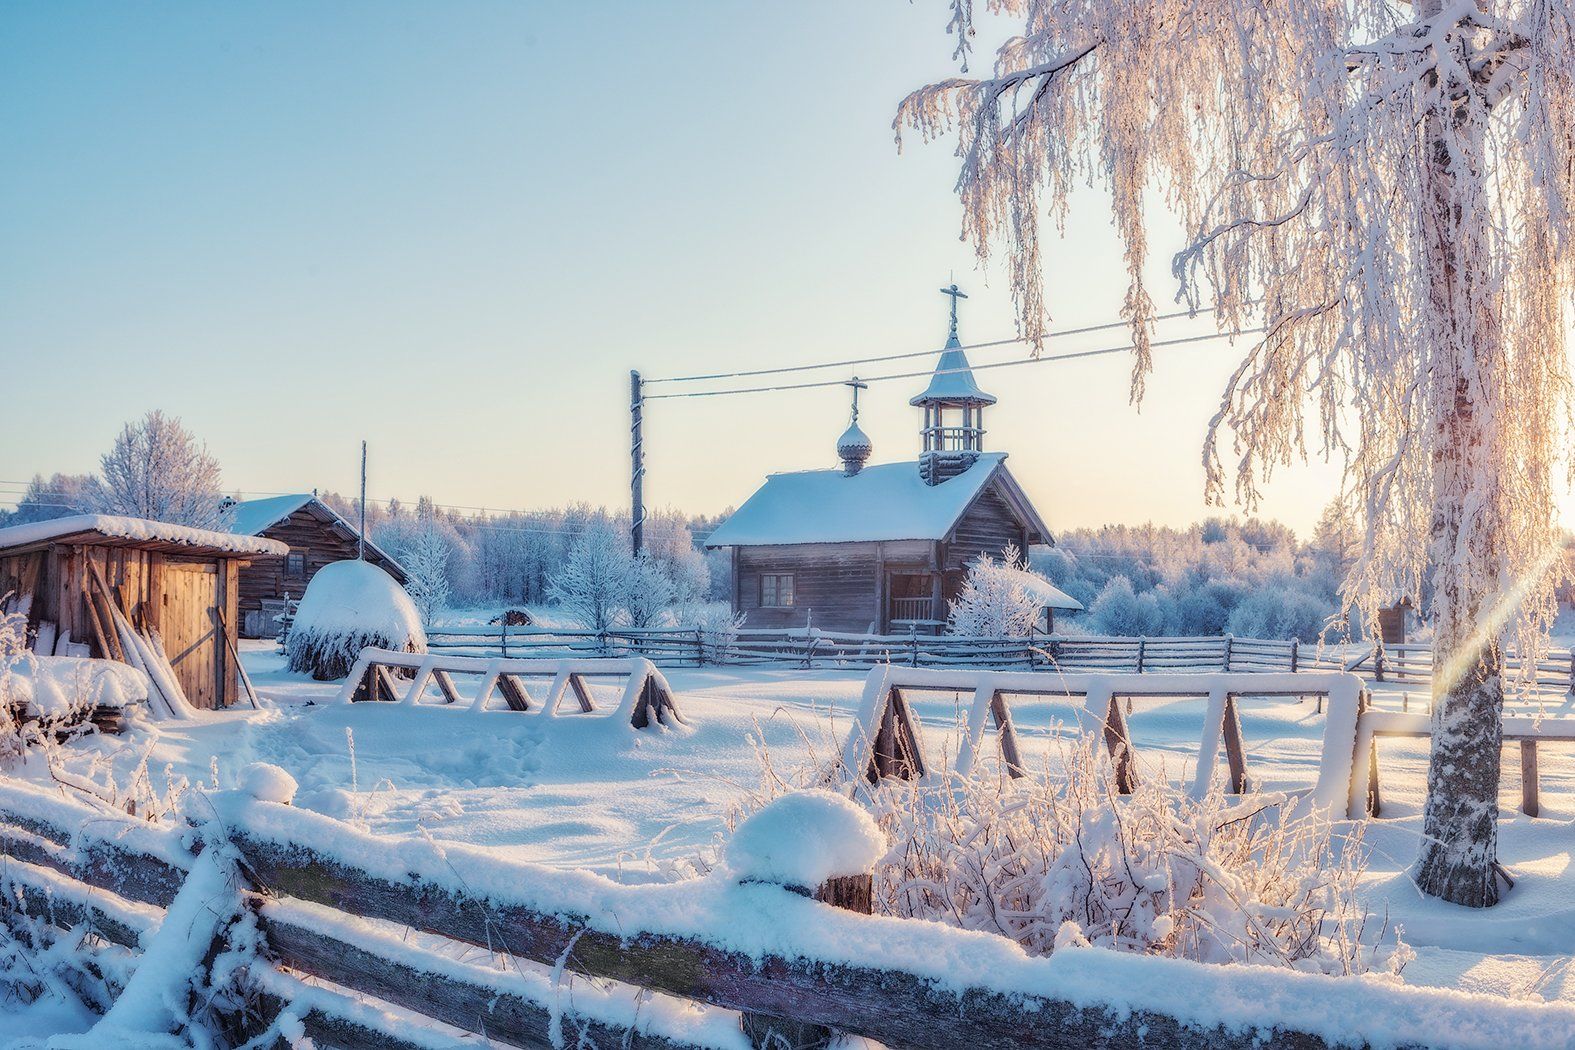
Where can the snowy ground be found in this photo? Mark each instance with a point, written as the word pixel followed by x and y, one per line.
pixel 587 792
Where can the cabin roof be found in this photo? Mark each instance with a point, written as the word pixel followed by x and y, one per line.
pixel 109 530
pixel 252 517
pixel 887 501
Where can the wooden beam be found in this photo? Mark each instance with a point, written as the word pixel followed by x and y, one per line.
pixel 471 1005
pixel 1528 778
pixel 1006 731
pixel 514 693
pixel 1119 743
pixel 445 682
pixel 581 692
pixel 887 1003
pixel 1235 754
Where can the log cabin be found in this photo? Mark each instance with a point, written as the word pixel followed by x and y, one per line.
pixel 315 534
pixel 886 547
pixel 177 581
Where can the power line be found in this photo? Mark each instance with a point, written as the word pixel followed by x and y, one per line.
pixel 914 353
pixel 974 368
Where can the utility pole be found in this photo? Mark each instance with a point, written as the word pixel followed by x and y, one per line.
pixel 360 540
pixel 636 466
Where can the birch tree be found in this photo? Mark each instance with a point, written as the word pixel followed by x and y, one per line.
pixel 1388 188
pixel 157 469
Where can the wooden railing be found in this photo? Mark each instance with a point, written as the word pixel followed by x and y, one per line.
pixel 812 647
pixel 913 608
pixel 783 961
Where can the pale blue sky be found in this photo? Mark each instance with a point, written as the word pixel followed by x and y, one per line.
pixel 452 229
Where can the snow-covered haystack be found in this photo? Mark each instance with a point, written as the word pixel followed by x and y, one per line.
pixel 349 606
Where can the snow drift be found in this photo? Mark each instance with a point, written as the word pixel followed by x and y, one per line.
pixel 349 606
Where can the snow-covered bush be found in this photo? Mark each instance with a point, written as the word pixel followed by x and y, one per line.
pixel 998 599
pixel 1120 610
pixel 349 606
pixel 13 648
pixel 1282 611
pixel 1062 861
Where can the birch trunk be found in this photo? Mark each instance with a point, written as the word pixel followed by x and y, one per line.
pixel 1459 855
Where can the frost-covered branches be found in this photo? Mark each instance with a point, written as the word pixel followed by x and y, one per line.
pixel 1062 862
pixel 426 561
pixel 1296 142
pixel 999 599
pixel 158 470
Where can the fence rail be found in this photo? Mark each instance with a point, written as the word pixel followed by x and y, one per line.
pixel 784 961
pixel 811 647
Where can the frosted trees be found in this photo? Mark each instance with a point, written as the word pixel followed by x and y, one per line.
pixel 426 561
pixel 592 583
pixel 648 590
pixel 158 470
pixel 1393 187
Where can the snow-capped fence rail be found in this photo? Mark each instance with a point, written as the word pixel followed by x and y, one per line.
pixel 358 936
pixel 884 740
pixel 813 647
pixel 377 674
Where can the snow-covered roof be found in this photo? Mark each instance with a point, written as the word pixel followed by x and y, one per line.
pixel 953 379
pixel 251 517
pixel 888 501
pixel 136 531
pixel 1046 593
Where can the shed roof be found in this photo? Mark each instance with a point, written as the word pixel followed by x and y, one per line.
pixel 252 517
pixel 888 501
pixel 1047 594
pixel 109 530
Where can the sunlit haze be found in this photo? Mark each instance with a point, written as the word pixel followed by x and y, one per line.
pixel 298 226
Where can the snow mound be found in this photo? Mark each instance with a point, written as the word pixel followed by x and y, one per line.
pixel 266 782
pixel 803 839
pixel 349 606
pixel 57 687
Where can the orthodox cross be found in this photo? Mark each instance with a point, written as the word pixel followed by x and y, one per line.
pixel 956 294
pixel 857 385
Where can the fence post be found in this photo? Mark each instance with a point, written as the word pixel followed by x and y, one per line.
pixel 1295 647
pixel 913 643
pixel 1227 653
pixel 1142 647
pixel 1572 672
pixel 699 647
pixel 503 634
pixel 1378 661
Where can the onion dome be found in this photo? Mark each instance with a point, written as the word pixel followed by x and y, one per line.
pixel 854 449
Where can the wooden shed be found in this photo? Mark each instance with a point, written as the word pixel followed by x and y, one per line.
pixel 177 581
pixel 884 547
pixel 315 535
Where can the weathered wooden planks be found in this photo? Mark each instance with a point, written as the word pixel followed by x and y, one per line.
pixel 893 1006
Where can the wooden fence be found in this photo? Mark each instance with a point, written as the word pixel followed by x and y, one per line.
pixel 785 962
pixel 677 647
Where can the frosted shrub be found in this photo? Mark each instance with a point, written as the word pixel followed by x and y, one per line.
pixel 13 646
pixel 1064 861
pixel 998 599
